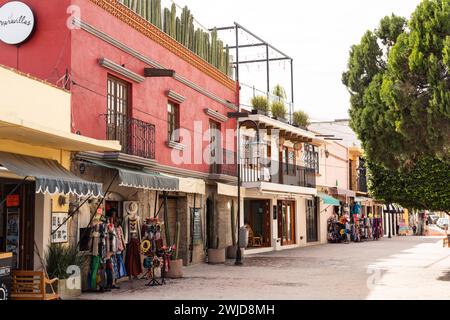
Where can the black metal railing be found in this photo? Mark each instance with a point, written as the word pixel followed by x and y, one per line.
pixel 225 163
pixel 261 169
pixel 136 136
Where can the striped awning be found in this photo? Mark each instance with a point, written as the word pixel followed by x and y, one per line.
pixel 50 176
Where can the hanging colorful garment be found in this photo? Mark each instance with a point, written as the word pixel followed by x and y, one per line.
pixel 133 258
pixel 95 264
pixel 119 266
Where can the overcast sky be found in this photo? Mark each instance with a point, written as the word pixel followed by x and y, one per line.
pixel 317 34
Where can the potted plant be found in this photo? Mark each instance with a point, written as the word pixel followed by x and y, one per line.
pixel 279 110
pixel 279 92
pixel 176 264
pixel 260 105
pixel 301 119
pixel 231 250
pixel 216 254
pixel 59 260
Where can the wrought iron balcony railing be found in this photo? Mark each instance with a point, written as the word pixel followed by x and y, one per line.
pixel 261 169
pixel 136 137
pixel 226 164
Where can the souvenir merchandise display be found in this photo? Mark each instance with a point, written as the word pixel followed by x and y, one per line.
pixel 156 255
pixel 352 223
pixel 106 246
pixel 132 226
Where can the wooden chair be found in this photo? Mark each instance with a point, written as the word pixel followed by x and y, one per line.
pixel 31 285
pixel 445 242
pixel 254 240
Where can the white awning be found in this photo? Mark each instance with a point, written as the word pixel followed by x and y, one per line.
pixel 229 190
pixel 192 185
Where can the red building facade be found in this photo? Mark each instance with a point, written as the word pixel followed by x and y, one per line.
pixel 100 51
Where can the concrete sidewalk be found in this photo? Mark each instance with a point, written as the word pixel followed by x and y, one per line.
pixel 398 268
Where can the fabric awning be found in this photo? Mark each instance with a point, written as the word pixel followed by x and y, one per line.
pixel 341 192
pixel 142 179
pixel 390 208
pixel 328 199
pixel 191 185
pixel 51 177
pixel 229 190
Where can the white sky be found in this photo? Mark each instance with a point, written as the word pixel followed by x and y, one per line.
pixel 317 34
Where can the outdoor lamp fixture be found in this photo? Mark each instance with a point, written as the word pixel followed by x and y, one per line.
pixel 158 73
pixel 239 115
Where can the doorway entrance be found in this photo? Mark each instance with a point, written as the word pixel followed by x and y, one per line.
pixel 17 222
pixel 286 222
pixel 312 220
pixel 257 221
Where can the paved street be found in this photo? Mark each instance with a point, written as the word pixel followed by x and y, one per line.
pixel 398 268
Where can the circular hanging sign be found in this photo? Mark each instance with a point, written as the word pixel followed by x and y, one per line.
pixel 16 22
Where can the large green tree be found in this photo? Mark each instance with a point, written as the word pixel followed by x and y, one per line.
pixel 426 185
pixel 399 81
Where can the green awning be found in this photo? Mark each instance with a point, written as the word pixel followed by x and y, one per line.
pixel 141 178
pixel 328 199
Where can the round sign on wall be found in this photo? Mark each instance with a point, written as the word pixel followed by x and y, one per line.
pixel 16 22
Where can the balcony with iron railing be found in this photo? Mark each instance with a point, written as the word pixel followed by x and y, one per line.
pixel 266 170
pixel 225 163
pixel 137 137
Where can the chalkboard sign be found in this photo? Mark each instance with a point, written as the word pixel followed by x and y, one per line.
pixel 196 224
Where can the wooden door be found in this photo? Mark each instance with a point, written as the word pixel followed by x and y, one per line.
pixel 286 222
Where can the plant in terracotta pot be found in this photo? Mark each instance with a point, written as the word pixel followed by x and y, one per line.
pixel 301 119
pixel 59 260
pixel 176 264
pixel 279 110
pixel 260 105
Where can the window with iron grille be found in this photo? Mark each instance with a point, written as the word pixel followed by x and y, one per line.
pixel 173 121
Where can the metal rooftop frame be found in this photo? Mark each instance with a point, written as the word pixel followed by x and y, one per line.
pixel 267 60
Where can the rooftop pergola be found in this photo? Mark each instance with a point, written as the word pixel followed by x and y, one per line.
pixel 259 42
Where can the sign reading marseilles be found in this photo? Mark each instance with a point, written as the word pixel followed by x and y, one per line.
pixel 16 22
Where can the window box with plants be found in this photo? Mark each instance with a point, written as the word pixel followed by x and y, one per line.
pixel 60 260
pixel 260 105
pixel 279 111
pixel 301 120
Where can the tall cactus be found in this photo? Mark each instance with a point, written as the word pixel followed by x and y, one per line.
pixel 158 14
pixel 173 17
pixel 207 46
pixel 166 23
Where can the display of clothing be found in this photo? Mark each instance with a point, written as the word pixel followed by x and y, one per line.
pixel 132 226
pixel 133 258
pixel 111 238
pixel 120 239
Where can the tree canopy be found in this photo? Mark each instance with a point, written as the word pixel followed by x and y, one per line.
pixel 399 81
pixel 424 186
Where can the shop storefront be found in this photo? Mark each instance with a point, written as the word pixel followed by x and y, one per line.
pixel 35 183
pixel 257 216
pixel 287 222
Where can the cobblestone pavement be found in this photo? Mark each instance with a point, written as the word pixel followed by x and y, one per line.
pixel 398 268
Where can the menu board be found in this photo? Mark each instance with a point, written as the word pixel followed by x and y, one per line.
pixel 59 223
pixel 197 227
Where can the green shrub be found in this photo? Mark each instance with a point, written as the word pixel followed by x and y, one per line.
pixel 260 103
pixel 301 119
pixel 58 258
pixel 279 92
pixel 279 109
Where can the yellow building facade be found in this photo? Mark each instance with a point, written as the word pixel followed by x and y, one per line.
pixel 36 144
